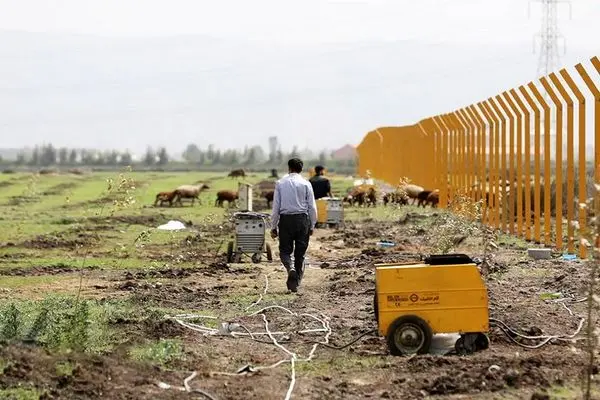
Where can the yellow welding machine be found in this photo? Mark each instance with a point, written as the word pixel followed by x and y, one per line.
pixel 443 294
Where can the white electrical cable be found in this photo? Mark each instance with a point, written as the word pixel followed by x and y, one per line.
pixel 229 329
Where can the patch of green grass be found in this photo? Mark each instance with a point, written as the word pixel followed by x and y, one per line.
pixel 570 392
pixel 20 394
pixel 13 282
pixel 64 368
pixel 160 353
pixel 3 365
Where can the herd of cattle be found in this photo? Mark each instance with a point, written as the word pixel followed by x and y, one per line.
pixel 193 192
pixel 368 196
pixel 361 196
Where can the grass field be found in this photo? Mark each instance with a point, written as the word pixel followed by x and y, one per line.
pixel 88 287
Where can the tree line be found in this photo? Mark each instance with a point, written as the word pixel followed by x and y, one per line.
pixel 47 155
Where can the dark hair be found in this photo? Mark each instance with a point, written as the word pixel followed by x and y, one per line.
pixel 295 165
pixel 319 169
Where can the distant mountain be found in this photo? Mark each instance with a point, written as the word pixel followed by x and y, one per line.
pixel 83 91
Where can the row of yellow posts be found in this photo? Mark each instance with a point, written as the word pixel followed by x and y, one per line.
pixel 491 149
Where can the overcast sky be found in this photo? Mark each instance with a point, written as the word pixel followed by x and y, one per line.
pixel 316 71
pixel 302 21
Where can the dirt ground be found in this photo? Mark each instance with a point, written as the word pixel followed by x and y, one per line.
pixel 338 287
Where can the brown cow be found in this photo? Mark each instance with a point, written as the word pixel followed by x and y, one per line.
pixel 395 197
pixel 164 197
pixel 237 173
pixel 422 197
pixel 225 195
pixel 269 196
pixel 371 197
pixel 356 195
pixel 433 198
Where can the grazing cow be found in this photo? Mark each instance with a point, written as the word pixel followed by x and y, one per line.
pixel 225 195
pixel 164 197
pixel 237 173
pixel 371 197
pixel 356 195
pixel 388 198
pixel 348 199
pixel 395 197
pixel 422 197
pixel 269 196
pixel 190 192
pixel 412 191
pixel 433 198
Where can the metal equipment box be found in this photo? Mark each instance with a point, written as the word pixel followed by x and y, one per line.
pixel 330 212
pixel 245 196
pixel 250 229
pixel 443 294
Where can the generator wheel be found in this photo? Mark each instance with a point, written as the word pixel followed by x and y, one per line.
pixel 230 252
pixel 469 343
pixel 408 335
pixel 269 253
pixel 256 257
pixel 463 346
pixel 482 342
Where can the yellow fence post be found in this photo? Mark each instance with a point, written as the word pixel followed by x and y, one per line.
pixel 418 153
pixel 547 170
pixel 518 187
pixel 558 208
pixel 581 151
pixel 433 129
pixel 439 120
pixel 470 153
pixel 546 109
pixel 596 93
pixel 596 64
pixel 490 187
pixel 481 153
pixel 570 163
pixel 500 171
pixel 454 153
pixel 451 152
pixel 463 132
pixel 430 130
pixel 508 204
pixel 525 136
pixel 537 213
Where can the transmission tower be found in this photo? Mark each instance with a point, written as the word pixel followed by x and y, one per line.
pixel 548 36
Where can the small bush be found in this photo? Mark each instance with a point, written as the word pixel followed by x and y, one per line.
pixel 56 323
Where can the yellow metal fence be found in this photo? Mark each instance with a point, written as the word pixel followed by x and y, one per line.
pixel 508 152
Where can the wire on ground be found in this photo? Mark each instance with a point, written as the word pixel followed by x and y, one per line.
pixel 239 330
pixel 545 339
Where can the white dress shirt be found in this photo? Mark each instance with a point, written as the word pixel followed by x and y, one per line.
pixel 293 195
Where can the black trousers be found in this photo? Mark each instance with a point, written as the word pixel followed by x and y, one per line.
pixel 293 238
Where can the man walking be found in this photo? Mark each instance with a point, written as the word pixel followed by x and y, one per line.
pixel 320 185
pixel 294 218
